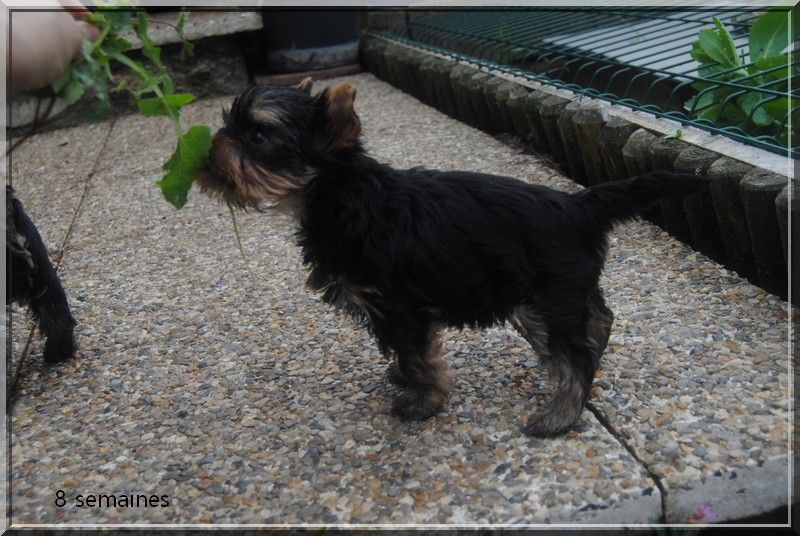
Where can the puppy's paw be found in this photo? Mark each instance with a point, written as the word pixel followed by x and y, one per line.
pixel 550 421
pixel 394 376
pixel 59 346
pixel 418 405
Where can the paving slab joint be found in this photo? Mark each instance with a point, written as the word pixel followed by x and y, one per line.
pixel 605 423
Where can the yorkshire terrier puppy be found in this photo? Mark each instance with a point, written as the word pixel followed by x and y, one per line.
pixel 31 280
pixel 411 252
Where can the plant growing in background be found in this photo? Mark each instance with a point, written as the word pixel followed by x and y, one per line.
pixel 504 55
pixel 768 68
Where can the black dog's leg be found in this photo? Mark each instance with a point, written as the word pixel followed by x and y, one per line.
pixel 420 369
pixel 600 320
pixel 35 283
pixel 572 359
pixel 394 375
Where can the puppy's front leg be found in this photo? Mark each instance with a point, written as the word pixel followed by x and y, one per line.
pixel 422 371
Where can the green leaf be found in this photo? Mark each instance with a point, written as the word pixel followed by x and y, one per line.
pixel 780 63
pixel 170 103
pixel 61 81
pixel 779 107
pixel 700 102
pixel 167 86
pixel 118 19
pixel 769 35
pixel 751 104
pixel 73 91
pixel 188 48
pixel 115 42
pixel 710 113
pixel 150 51
pixel 97 18
pixel 698 55
pixel 732 112
pixel 185 163
pixel 714 47
pixel 726 41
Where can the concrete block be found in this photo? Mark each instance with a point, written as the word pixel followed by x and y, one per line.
pixel 533 118
pixel 589 121
pixel 759 190
pixel 699 207
pixel 610 142
pixel 726 174
pixel 663 152
pixel 569 141
pixel 550 111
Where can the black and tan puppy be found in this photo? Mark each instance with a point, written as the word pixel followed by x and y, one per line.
pixel 32 280
pixel 414 251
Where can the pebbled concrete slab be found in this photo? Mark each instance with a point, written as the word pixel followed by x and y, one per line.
pixel 235 392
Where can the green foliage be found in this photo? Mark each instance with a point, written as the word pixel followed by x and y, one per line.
pixel 677 135
pixel 169 105
pixel 768 68
pixel 185 163
pixel 504 55
pixel 153 91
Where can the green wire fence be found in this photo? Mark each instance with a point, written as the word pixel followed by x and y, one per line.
pixel 639 58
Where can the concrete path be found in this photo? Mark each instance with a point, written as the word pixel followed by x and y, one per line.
pixel 236 393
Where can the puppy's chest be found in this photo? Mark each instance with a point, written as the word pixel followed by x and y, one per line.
pixel 339 291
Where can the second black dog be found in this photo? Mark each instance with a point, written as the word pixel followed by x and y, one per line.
pixel 32 280
pixel 414 251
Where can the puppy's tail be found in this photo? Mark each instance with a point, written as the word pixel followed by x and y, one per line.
pixel 617 201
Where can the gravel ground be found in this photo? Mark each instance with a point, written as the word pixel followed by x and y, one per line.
pixel 231 389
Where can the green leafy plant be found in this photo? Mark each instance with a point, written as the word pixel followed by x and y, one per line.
pixel 504 55
pixel 152 90
pixel 767 68
pixel 678 134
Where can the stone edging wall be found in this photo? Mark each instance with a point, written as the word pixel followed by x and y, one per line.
pixel 740 221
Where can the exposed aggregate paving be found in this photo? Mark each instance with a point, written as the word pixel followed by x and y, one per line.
pixel 232 389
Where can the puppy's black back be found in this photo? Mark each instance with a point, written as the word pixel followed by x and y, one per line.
pixel 465 248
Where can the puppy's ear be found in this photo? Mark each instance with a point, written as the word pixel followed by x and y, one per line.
pixel 305 85
pixel 344 123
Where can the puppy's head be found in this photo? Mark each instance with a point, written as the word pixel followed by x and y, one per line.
pixel 275 139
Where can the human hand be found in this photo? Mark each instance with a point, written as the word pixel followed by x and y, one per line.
pixel 43 43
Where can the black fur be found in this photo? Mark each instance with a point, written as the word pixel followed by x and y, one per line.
pixel 412 251
pixel 32 280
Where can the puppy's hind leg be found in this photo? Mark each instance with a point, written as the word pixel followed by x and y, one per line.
pixel 600 320
pixel 571 359
pixel 422 371
pixel 572 364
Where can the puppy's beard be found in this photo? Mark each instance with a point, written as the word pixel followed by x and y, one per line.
pixel 250 185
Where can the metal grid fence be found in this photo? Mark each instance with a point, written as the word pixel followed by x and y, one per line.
pixel 639 58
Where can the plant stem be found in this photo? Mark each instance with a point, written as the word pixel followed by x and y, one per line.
pixel 38 123
pixel 152 85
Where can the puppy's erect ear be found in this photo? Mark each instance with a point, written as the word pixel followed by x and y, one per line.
pixel 344 123
pixel 305 85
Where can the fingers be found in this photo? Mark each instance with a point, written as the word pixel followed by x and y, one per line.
pixel 76 8
pixel 89 31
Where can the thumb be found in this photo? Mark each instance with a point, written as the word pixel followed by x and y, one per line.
pixel 89 31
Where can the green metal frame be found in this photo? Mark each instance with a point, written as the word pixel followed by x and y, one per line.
pixel 592 51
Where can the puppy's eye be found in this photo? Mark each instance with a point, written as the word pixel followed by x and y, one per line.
pixel 258 137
